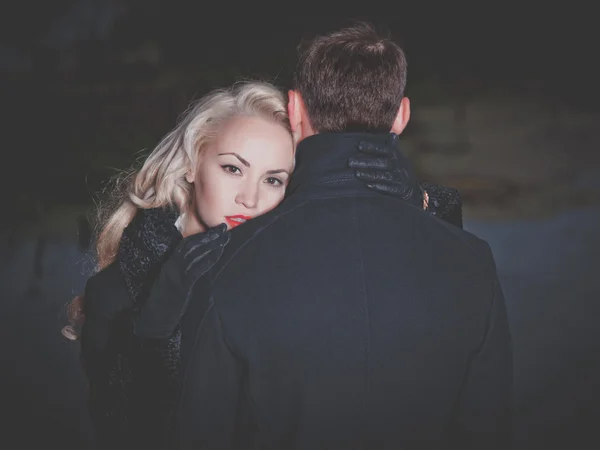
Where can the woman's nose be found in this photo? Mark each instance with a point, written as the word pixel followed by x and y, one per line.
pixel 248 197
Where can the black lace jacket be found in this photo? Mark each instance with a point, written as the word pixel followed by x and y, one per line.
pixel 132 381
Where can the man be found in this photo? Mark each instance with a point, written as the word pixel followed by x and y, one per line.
pixel 345 318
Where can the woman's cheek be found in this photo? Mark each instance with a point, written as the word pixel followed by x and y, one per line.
pixel 275 197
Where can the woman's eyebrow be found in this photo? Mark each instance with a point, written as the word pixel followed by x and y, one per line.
pixel 272 172
pixel 242 160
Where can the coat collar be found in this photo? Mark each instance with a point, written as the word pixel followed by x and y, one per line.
pixel 322 166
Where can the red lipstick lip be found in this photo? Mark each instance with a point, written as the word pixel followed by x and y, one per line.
pixel 234 223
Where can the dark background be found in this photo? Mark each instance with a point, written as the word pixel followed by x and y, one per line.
pixel 87 83
pixel 88 86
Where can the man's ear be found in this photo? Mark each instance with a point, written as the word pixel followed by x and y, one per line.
pixel 294 113
pixel 299 119
pixel 402 117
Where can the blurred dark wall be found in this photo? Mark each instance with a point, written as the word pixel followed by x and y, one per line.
pixel 88 87
pixel 86 84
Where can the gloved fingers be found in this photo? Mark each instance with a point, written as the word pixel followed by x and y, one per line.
pixel 384 188
pixel 404 191
pixel 369 162
pixel 206 244
pixel 191 243
pixel 397 190
pixel 219 229
pixel 202 263
pixel 217 232
pixel 374 148
pixel 375 175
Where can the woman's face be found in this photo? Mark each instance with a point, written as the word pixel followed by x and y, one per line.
pixel 242 174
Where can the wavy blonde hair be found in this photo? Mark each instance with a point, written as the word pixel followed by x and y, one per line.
pixel 161 181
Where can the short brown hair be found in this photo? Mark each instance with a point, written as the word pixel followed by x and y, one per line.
pixel 351 80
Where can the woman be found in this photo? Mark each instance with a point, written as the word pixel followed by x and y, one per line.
pixel 227 161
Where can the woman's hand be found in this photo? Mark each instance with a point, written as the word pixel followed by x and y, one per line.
pixel 159 316
pixel 385 169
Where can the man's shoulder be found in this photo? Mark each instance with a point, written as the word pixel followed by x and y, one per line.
pixel 298 229
pixel 250 238
pixel 478 248
pixel 292 221
pixel 323 224
pixel 410 220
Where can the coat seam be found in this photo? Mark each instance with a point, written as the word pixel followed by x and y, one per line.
pixel 366 306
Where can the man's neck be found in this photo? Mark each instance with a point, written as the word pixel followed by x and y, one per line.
pixel 304 131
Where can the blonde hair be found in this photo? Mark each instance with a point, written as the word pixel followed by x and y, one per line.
pixel 161 181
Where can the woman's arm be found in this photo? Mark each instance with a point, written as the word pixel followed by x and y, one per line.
pixel 133 376
pixel 110 353
pixel 443 202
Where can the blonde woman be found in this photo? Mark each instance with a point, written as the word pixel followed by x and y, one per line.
pixel 228 160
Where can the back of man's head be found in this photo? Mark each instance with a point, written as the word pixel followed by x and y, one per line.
pixel 351 80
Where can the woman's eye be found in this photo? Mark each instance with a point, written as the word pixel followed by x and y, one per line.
pixel 274 181
pixel 231 169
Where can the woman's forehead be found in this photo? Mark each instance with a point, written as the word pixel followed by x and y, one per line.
pixel 256 140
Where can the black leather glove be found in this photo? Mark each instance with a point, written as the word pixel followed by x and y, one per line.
pixel 385 169
pixel 195 255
